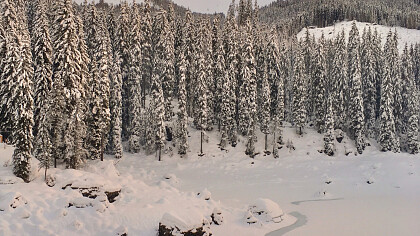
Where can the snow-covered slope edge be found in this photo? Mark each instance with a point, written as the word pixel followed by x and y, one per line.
pixel 405 36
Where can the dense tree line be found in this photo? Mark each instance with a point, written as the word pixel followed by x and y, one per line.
pixel 94 78
pixel 292 15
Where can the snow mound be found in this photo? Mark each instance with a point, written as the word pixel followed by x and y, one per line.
pixel 105 168
pixel 266 210
pixel 11 200
pixel 205 194
pixel 171 178
pixel 83 180
pixel 10 180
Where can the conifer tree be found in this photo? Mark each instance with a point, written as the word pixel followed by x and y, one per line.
pixel 339 81
pixel 318 78
pixel 169 78
pixel 16 78
pixel 146 50
pixel 218 71
pixel 42 142
pixel 299 91
pixel 230 84
pixel 134 90
pixel 211 88
pixel 42 57
pixel 115 142
pixel 99 114
pixel 369 82
pixel 189 52
pixel 411 103
pixel 68 89
pixel 329 129
pixel 123 47
pixel 157 108
pixel 277 70
pixel 201 113
pixel 355 111
pixel 248 102
pixel 378 63
pixel 395 73
pixel 388 138
pixel 264 108
pixel 182 132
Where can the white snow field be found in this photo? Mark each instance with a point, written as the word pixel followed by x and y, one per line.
pixel 405 36
pixel 307 192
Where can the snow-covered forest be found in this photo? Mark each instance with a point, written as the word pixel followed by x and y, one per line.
pixel 80 83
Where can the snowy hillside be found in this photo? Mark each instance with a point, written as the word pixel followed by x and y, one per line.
pixel 405 36
pixel 371 194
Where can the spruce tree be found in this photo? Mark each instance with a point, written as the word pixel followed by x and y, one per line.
pixel 378 63
pixel 318 79
pixel 123 47
pixel 169 78
pixel 329 146
pixel 355 110
pixel 99 114
pixel 157 108
pixel 229 103
pixel 42 143
pixel 339 81
pixel 398 93
pixel 201 113
pixel 411 103
pixel 248 100
pixel 277 70
pixel 68 88
pixel 146 50
pixel 299 91
pixel 264 108
pixel 218 72
pixel 182 132
pixel 388 138
pixel 16 77
pixel 189 52
pixel 369 82
pixel 133 85
pixel 42 58
pixel 115 142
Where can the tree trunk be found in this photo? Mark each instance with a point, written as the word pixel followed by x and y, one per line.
pixel 201 143
pixel 265 145
pixel 159 153
pixel 102 148
pixel 274 143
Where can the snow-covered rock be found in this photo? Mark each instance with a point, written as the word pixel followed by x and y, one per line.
pixel 217 217
pixel 250 218
pixel 122 231
pixel 192 224
pixel 266 210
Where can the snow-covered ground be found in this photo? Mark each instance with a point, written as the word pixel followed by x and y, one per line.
pixel 371 194
pixel 405 36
